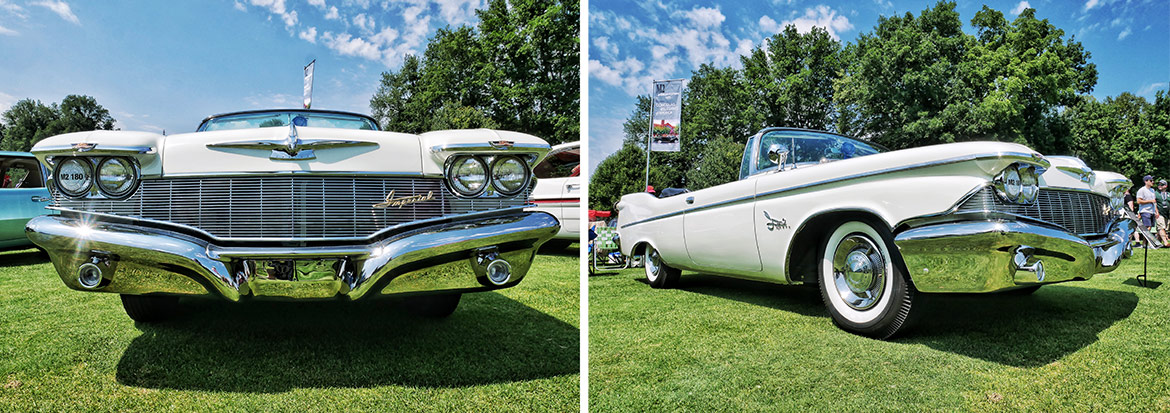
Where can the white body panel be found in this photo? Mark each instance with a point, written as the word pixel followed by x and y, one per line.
pixel 561 197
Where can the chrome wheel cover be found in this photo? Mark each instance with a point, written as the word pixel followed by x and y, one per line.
pixel 653 264
pixel 859 272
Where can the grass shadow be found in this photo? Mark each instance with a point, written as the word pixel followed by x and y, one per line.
pixel 571 250
pixel 793 298
pixel 1021 331
pixel 21 256
pixel 267 347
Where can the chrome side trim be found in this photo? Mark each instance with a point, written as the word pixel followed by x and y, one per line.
pixel 95 151
pixel 377 235
pixel 486 146
pixel 300 173
pixel 1016 156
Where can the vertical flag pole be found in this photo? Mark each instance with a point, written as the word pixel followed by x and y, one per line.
pixel 649 135
pixel 309 84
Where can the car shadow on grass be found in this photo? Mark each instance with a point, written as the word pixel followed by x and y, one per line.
pixel 267 347
pixel 21 256
pixel 1020 331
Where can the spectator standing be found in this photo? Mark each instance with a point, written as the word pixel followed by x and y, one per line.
pixel 1145 203
pixel 1162 207
pixel 1137 238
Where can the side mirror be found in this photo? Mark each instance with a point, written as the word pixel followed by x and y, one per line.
pixel 778 153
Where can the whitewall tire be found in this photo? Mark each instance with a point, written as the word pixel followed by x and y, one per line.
pixel 863 287
pixel 658 273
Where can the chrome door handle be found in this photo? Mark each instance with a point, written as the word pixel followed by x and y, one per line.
pixel 573 186
pixel 41 199
pixel 690 199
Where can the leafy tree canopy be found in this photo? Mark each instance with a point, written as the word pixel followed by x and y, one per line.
pixel 28 121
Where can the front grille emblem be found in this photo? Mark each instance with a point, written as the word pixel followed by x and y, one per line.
pixel 391 201
pixel 291 148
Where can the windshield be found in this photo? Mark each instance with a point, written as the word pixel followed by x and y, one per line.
pixel 284 118
pixel 560 164
pixel 811 147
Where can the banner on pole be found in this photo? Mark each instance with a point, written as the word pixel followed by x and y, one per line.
pixel 666 115
pixel 309 84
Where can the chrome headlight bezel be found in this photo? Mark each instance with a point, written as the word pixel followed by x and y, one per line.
pixel 1019 183
pixel 86 168
pixel 460 188
pixel 525 172
pixel 134 177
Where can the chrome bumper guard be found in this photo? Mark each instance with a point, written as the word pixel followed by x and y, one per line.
pixel 459 256
pixel 986 256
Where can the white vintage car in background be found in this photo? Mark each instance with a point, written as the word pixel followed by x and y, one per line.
pixel 873 228
pixel 558 191
pixel 291 204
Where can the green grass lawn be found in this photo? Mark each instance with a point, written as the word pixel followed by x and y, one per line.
pixel 516 349
pixel 720 344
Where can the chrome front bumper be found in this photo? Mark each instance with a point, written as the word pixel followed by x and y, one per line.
pixel 443 257
pixel 985 256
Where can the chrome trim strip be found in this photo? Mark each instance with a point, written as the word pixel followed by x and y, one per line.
pixel 1017 156
pixel 96 151
pixel 374 236
pixel 487 147
pixel 305 173
pixel 937 218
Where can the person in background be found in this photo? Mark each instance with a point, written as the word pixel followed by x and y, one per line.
pixel 1162 207
pixel 1145 203
pixel 1137 238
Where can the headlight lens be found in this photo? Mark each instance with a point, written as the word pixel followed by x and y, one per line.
pixel 509 175
pixel 467 175
pixel 74 177
pixel 116 177
pixel 1011 183
pixel 1029 184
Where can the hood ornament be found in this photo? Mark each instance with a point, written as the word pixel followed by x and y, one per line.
pixel 84 146
pixel 291 148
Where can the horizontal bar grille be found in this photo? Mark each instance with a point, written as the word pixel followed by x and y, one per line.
pixel 1081 213
pixel 288 207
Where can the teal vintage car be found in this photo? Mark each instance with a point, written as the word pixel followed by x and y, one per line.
pixel 23 196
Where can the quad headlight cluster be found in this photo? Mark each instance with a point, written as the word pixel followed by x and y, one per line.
pixel 113 177
pixel 1019 183
pixel 472 175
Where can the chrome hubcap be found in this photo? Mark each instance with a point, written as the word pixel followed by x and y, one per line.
pixel 859 272
pixel 652 264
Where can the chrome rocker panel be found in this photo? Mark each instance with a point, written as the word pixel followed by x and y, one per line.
pixel 987 256
pixel 445 257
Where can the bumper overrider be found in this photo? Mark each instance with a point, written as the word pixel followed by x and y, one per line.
pixel 129 257
pixel 986 256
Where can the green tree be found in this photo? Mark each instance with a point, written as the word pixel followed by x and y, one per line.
pixel 28 121
pixel 791 78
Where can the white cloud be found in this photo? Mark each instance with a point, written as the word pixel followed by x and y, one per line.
pixel 317 3
pixel 1021 7
pixel 1089 5
pixel 332 14
pixel 821 16
pixel 605 46
pixel 457 12
pixel 386 37
pixel 604 73
pixel 6 101
pixel 768 25
pixel 1147 91
pixel 13 9
pixel 1124 33
pixel 278 8
pixel 347 45
pixel 364 22
pixel 705 17
pixel 309 35
pixel 885 5
pixel 7 32
pixel 240 6
pixel 61 8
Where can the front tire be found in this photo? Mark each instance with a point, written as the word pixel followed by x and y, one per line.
pixel 433 306
pixel 150 308
pixel 864 289
pixel 658 273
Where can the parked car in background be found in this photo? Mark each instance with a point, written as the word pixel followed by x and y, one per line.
pixel 291 204
pixel 22 196
pixel 875 228
pixel 558 191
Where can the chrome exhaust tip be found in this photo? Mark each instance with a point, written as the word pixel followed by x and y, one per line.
pixel 89 275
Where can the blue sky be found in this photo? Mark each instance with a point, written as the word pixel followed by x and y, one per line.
pixel 168 64
pixel 633 43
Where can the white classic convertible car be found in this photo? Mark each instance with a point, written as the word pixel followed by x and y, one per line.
pixel 293 204
pixel 874 227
